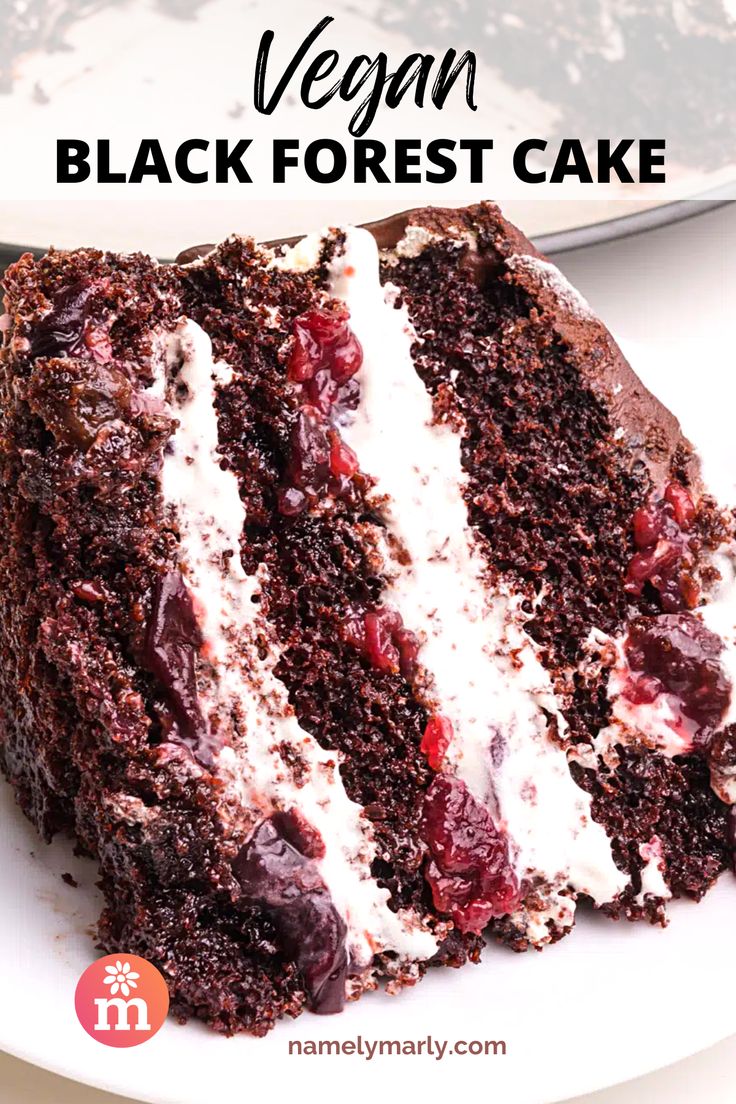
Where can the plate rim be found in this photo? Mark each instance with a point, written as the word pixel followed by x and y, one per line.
pixel 132 1083
pixel 625 226
pixel 555 243
pixel 113 1087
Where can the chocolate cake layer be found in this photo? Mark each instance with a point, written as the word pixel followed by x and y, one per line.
pixel 356 598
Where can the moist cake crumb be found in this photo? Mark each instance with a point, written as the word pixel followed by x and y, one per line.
pixel 355 599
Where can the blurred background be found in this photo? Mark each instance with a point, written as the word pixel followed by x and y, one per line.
pixel 128 69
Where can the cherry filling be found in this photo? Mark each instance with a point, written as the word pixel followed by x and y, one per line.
pixel 171 644
pixel 296 830
pixel 380 635
pixel 436 740
pixel 343 460
pixel 722 765
pixel 276 870
pixel 69 329
pixel 309 463
pixel 678 654
pixel 323 340
pixel 468 870
pixel 325 357
pixel 664 559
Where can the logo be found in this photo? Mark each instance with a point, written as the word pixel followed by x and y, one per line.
pixel 121 1000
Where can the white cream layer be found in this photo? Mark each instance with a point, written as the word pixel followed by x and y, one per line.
pixel 237 687
pixel 661 724
pixel 486 676
pixel 653 884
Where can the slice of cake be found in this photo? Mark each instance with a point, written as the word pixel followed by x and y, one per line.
pixel 355 598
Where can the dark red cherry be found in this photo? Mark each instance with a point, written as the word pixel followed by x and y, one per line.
pixel 685 657
pixel 309 462
pixel 296 829
pixel 322 390
pixel 172 641
pixel 345 358
pixel 469 871
pixel 61 332
pixel 383 639
pixel 648 527
pixel 275 873
pixel 436 740
pixel 408 645
pixel 682 504
pixel 380 627
pixel 664 560
pixel 643 690
pixel 325 355
pixel 305 355
pixel 343 460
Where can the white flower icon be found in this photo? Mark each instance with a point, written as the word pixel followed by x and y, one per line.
pixel 120 976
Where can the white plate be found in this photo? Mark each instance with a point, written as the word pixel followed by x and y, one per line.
pixel 611 1002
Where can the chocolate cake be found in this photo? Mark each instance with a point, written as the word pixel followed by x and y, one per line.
pixel 356 599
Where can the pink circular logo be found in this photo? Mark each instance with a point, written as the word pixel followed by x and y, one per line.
pixel 121 1000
